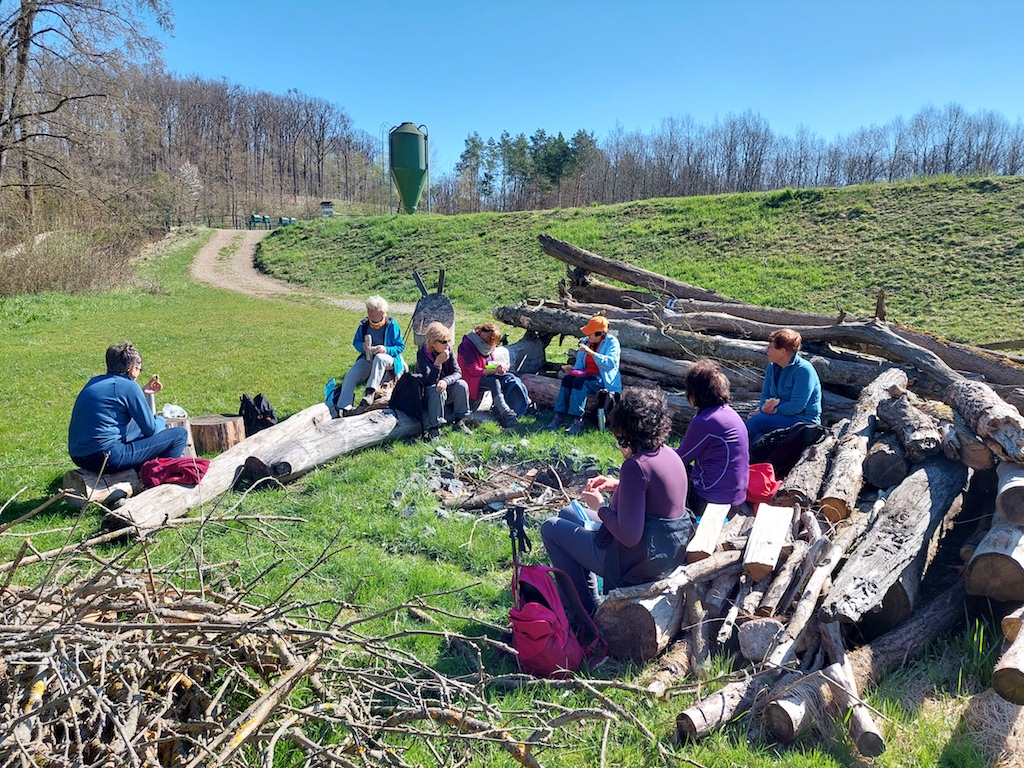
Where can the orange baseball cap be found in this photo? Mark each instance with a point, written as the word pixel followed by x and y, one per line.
pixel 597 324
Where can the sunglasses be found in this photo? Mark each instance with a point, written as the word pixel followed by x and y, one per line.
pixel 441 341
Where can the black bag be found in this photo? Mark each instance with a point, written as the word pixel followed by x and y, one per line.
pixel 782 447
pixel 257 413
pixel 407 396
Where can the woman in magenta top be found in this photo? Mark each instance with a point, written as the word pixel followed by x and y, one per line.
pixel 644 523
pixel 715 447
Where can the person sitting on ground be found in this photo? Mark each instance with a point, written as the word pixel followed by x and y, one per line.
pixel 645 524
pixel 483 372
pixel 792 391
pixel 596 368
pixel 113 427
pixel 714 448
pixel 444 391
pixel 380 345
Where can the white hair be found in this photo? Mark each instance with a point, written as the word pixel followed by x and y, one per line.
pixel 378 303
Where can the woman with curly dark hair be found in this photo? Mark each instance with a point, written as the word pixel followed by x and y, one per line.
pixel 714 448
pixel 644 523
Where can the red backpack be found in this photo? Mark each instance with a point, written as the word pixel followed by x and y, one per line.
pixel 545 642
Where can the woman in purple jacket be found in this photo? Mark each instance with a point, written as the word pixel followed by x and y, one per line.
pixel 715 448
pixel 644 524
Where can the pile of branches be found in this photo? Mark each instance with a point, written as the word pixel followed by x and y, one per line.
pixel 111 661
pixel 920 429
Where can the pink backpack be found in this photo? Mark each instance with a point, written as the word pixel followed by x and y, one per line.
pixel 546 644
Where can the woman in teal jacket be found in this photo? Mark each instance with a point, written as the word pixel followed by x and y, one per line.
pixel 380 345
pixel 596 368
pixel 792 391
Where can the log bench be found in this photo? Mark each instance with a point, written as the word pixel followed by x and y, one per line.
pixel 85 487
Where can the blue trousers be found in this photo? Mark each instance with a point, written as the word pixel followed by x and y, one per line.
pixel 167 443
pixel 572 395
pixel 760 424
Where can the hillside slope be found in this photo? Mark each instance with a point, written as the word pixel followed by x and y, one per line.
pixel 949 253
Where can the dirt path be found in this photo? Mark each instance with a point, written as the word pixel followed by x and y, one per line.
pixel 226 261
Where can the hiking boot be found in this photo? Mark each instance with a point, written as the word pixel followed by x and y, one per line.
pixel 576 427
pixel 508 420
pixel 433 435
pixel 555 423
pixel 367 400
pixel 461 426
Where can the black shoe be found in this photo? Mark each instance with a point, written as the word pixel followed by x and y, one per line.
pixel 433 434
pixel 577 427
pixel 555 423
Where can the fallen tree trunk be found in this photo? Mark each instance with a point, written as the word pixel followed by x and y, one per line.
pixel 625 273
pixel 743 380
pixel 846 477
pixel 802 484
pixel 911 516
pixel 157 506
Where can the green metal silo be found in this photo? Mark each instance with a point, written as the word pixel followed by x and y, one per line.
pixel 409 163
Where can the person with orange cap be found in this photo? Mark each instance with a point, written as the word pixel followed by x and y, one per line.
pixel 596 368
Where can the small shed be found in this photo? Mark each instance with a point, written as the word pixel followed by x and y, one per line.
pixel 327 209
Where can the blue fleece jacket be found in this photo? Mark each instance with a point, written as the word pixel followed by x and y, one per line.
pixel 392 340
pixel 797 387
pixel 110 409
pixel 607 359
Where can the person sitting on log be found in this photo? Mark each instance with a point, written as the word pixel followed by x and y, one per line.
pixel 444 391
pixel 791 393
pixel 113 427
pixel 645 525
pixel 380 345
pixel 481 370
pixel 715 448
pixel 596 368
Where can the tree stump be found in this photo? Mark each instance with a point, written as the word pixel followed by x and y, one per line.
pixel 183 421
pixel 217 432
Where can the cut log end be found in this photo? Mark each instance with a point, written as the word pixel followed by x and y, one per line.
pixel 1008 682
pixel 629 630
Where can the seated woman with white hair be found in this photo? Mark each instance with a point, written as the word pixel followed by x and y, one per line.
pixel 380 345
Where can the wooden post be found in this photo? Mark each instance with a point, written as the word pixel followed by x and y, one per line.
pixel 771 529
pixel 217 433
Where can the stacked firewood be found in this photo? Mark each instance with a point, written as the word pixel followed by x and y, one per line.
pixel 915 424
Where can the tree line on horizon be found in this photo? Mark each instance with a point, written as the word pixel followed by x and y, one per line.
pixel 93 129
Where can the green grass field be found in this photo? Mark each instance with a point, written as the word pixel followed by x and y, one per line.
pixel 947 252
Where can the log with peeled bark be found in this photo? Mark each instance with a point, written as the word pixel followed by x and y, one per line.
pixel 911 516
pixel 771 603
pixel 961 444
pixel 529 354
pixel 673 666
pixel 640 621
pixel 717 709
pixel 917 432
pixel 996 569
pixel 863 730
pixel 159 505
pixel 625 273
pixel 990 417
pixel 846 476
pixel 801 486
pixel 885 466
pixel 869 662
pixel 1010 492
pixel 741 380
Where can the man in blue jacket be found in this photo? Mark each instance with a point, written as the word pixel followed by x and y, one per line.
pixel 113 427
pixel 791 393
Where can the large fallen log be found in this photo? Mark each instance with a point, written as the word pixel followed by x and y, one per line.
pixel 625 273
pixel 846 476
pixel 293 446
pixel 742 380
pixel 910 517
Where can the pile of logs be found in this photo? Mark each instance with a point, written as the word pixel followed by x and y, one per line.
pixel 917 425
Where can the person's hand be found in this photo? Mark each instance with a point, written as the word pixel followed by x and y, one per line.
pixel 769 405
pixel 501 369
pixel 442 357
pixel 592 499
pixel 566 369
pixel 602 484
pixel 442 385
pixel 153 386
pixel 586 349
pixel 380 349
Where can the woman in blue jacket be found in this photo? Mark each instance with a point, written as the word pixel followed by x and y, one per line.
pixel 380 345
pixel 792 391
pixel 596 368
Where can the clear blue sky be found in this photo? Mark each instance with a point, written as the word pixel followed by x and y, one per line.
pixel 462 66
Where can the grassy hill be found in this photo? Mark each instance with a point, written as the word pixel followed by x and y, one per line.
pixel 948 252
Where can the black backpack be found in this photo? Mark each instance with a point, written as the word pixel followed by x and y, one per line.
pixel 407 396
pixel 257 413
pixel 782 447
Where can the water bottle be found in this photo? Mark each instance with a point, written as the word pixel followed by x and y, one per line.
pixel 600 419
pixel 367 340
pixel 151 401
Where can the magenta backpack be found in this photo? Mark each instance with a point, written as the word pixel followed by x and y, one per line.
pixel 545 642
